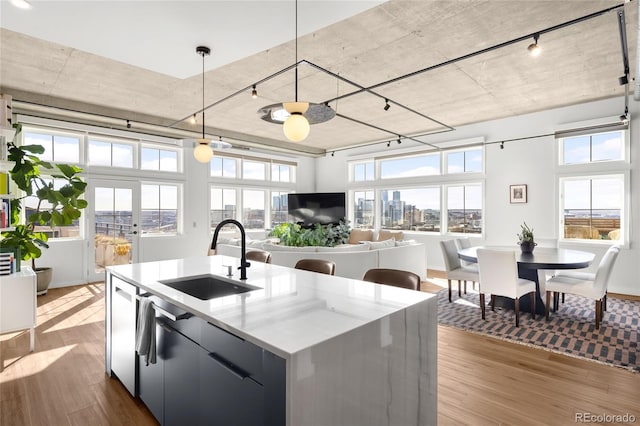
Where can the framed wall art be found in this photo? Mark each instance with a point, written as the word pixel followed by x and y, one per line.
pixel 518 194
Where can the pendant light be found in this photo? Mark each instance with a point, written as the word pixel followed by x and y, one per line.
pixel 296 126
pixel 203 152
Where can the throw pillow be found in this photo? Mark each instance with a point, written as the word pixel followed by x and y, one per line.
pixel 386 235
pixel 342 248
pixel 405 243
pixel 375 245
pixel 357 235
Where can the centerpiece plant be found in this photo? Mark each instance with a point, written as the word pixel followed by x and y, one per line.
pixel 526 238
pixel 292 234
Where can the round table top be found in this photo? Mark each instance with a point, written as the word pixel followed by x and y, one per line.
pixel 541 258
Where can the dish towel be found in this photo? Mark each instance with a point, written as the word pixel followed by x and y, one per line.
pixel 146 331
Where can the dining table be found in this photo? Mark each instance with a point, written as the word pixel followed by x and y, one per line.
pixel 532 265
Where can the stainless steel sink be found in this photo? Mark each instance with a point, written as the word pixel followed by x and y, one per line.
pixel 206 287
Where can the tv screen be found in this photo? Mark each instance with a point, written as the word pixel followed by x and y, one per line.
pixel 319 207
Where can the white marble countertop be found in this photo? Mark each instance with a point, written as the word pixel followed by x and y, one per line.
pixel 293 310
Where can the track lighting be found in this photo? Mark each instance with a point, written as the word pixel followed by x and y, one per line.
pixel 254 92
pixel 624 118
pixel 386 105
pixel 623 80
pixel 399 141
pixel 333 153
pixel 388 144
pixel 128 124
pixel 193 119
pixel 502 145
pixel 533 48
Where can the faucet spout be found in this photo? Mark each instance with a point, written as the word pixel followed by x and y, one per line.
pixel 243 258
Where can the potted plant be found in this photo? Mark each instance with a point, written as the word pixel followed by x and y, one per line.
pixel 526 239
pixel 55 207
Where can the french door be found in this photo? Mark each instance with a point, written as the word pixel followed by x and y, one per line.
pixel 113 225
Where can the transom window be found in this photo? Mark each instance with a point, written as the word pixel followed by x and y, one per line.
pixel 421 165
pixel 467 161
pixel 223 167
pixel 253 170
pixel 165 160
pixel 591 148
pixel 281 172
pixel 363 171
pixel 58 147
pixel 109 153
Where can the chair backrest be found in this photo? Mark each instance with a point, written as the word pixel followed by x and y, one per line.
pixel 450 254
pixel 498 272
pixel 603 273
pixel 463 243
pixel 259 256
pixel 317 265
pixel 395 277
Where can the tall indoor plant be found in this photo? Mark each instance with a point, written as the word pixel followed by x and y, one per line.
pixel 55 207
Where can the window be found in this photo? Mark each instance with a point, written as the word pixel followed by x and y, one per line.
pixel 30 205
pixel 584 149
pixel 363 209
pixel 110 154
pixel 363 171
pixel 253 209
pixel 422 165
pixel 164 160
pixel 468 161
pixel 416 209
pixel 279 208
pixel 592 207
pixel 464 209
pixel 159 213
pixel 253 170
pixel 59 148
pixel 281 173
pixel 223 206
pixel 223 167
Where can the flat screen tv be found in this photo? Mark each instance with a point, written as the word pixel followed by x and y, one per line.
pixel 318 207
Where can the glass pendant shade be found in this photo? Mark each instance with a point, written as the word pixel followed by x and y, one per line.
pixel 203 152
pixel 296 128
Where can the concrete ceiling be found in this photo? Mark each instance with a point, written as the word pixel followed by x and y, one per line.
pixel 111 65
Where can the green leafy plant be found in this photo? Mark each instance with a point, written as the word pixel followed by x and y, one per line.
pixel 526 234
pixel 55 207
pixel 292 234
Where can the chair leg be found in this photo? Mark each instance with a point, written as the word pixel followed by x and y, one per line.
pixel 562 297
pixel 556 299
pixel 482 308
pixel 546 308
pixel 532 297
pixel 598 313
pixel 459 289
pixel 517 306
pixel 449 282
pixel 465 286
pixel 493 303
pixel 604 301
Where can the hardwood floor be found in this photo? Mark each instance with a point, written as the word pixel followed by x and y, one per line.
pixel 481 381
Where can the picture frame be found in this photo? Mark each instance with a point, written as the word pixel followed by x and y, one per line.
pixel 518 194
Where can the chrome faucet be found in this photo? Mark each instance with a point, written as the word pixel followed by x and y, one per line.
pixel 243 257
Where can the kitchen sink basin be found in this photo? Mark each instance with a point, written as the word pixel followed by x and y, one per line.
pixel 206 287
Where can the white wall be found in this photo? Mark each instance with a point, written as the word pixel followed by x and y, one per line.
pixel 530 162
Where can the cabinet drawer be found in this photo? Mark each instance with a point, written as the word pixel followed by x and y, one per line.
pixel 234 350
pixel 186 323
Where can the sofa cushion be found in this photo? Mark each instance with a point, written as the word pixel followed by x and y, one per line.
pixel 343 248
pixel 375 245
pixel 387 235
pixel 405 243
pixel 357 235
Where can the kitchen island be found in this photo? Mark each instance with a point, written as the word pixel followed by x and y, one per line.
pixel 303 349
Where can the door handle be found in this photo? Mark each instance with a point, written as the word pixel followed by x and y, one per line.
pixel 239 373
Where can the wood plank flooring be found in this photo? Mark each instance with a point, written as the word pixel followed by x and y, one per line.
pixel 481 381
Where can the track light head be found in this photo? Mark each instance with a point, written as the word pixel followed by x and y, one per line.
pixel 534 49
pixel 388 144
pixel 254 92
pixel 502 145
pixel 623 80
pixel 333 153
pixel 399 141
pixel 193 119
pixel 128 124
pixel 386 105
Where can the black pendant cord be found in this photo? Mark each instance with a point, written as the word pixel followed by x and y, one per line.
pixel 296 51
pixel 202 95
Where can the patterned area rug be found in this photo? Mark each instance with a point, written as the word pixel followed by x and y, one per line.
pixel 570 331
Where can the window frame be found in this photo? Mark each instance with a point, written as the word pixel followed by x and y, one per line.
pixel 160 148
pixel 179 209
pixel 135 161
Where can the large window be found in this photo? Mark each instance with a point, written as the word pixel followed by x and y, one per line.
pixel 464 209
pixel 363 209
pixel 159 213
pixel 223 206
pixel 592 207
pixel 58 147
pixel 110 153
pixel 253 209
pixel 416 209
pixel 279 208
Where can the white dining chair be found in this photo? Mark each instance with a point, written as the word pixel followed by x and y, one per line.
pixel 499 277
pixel 454 269
pixel 464 243
pixel 592 286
